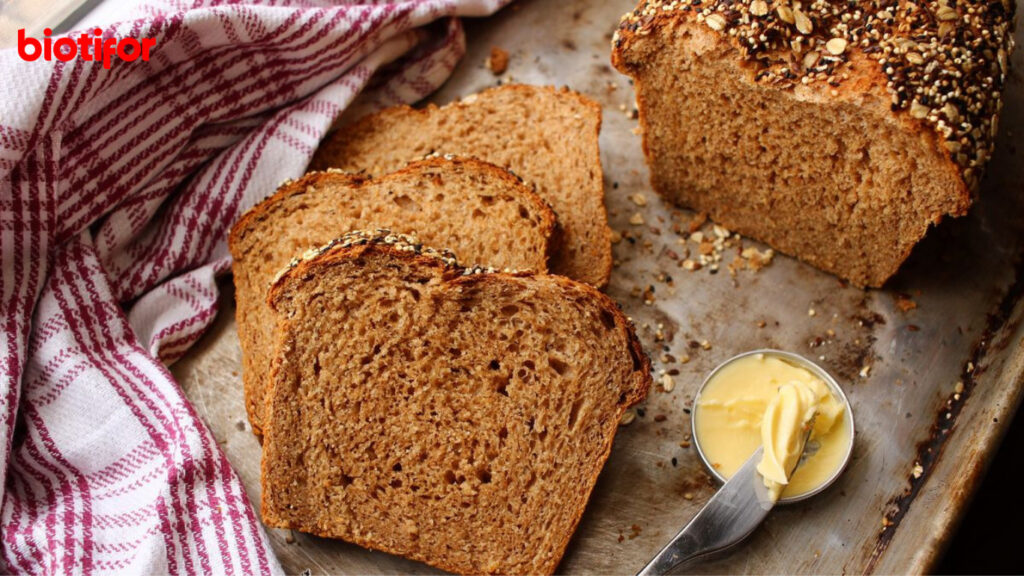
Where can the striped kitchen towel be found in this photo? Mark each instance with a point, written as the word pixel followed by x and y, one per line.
pixel 117 188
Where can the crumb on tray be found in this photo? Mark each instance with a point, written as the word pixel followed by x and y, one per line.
pixel 497 62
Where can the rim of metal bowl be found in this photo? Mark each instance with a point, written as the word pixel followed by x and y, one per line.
pixel 803 363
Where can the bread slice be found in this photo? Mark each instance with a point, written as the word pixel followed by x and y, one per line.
pixel 480 210
pixel 457 417
pixel 546 136
pixel 837 134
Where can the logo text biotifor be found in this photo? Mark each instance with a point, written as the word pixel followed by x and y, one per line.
pixel 87 47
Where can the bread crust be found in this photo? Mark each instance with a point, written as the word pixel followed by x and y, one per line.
pixel 334 145
pixel 315 179
pixel 456 276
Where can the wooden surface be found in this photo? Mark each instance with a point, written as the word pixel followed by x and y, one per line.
pixel 966 327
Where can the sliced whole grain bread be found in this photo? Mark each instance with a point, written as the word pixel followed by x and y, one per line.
pixel 545 135
pixel 456 417
pixel 480 210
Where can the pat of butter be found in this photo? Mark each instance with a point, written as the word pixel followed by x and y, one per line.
pixel 764 400
pixel 784 429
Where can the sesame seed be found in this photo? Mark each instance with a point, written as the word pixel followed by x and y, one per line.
pixel 627 418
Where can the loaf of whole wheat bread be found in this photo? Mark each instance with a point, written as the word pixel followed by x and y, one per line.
pixel 837 132
pixel 457 417
pixel 483 211
pixel 545 135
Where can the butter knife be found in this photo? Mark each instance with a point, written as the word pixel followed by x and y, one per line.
pixel 731 515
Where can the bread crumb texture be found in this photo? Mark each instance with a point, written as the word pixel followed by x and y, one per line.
pixel 455 416
pixel 483 212
pixel 547 136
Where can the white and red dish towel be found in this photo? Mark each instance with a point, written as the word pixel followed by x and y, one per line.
pixel 117 189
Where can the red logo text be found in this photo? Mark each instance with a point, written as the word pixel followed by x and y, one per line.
pixel 87 47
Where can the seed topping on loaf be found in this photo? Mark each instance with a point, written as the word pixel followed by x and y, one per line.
pixel 403 242
pixel 944 61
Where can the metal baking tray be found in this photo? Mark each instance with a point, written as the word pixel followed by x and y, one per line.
pixel 932 363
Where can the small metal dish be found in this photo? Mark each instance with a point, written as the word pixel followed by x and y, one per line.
pixel 811 367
